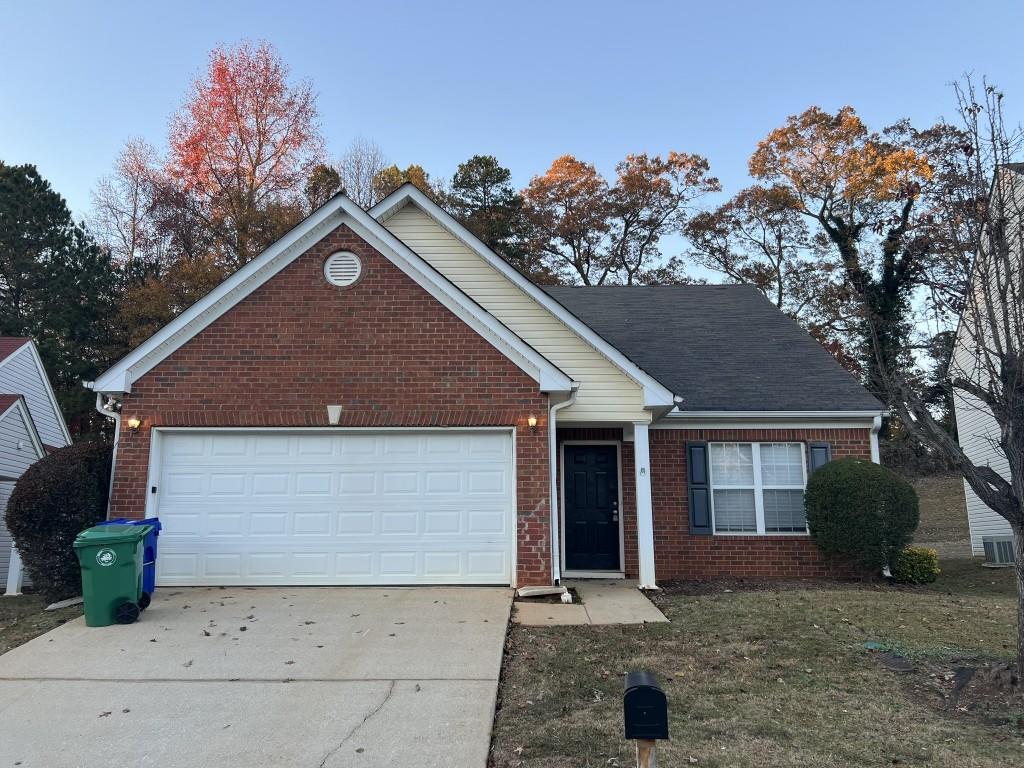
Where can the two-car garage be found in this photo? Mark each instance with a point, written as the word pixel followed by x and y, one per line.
pixel 333 507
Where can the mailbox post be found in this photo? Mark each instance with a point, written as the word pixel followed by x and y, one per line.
pixel 644 715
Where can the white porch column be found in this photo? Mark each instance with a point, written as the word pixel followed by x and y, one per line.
pixel 644 512
pixel 15 573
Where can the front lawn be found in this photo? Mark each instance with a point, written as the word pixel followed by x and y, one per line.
pixel 23 617
pixel 777 676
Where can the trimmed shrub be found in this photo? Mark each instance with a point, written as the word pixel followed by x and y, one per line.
pixel 916 565
pixel 56 498
pixel 860 510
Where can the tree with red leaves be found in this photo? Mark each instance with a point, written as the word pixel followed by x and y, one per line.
pixel 243 146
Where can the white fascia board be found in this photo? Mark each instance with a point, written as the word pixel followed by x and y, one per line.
pixel 655 393
pixel 340 209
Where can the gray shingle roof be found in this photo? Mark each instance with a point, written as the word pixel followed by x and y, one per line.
pixel 719 347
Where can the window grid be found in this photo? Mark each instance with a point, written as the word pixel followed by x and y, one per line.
pixel 758 488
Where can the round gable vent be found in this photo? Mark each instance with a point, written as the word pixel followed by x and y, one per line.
pixel 343 268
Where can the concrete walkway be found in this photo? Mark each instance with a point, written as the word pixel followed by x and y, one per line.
pixel 318 677
pixel 608 601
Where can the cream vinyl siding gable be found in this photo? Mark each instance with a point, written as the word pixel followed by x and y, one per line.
pixel 605 394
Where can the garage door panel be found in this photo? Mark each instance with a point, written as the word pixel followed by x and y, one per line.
pixel 390 566
pixel 349 508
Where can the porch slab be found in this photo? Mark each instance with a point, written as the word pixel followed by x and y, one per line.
pixel 612 601
pixel 615 601
pixel 549 614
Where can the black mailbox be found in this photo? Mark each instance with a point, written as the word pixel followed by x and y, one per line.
pixel 644 707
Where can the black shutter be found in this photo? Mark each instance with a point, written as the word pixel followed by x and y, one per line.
pixel 700 490
pixel 821 454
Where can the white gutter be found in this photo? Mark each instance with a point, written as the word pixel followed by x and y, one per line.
pixel 782 415
pixel 556 547
pixel 876 427
pixel 117 439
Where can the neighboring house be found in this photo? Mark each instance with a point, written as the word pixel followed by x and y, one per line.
pixel 380 399
pixel 31 425
pixel 977 429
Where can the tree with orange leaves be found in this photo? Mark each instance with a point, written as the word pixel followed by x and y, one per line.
pixel 589 230
pixel 863 191
pixel 243 147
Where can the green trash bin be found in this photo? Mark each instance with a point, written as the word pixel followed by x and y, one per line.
pixel 111 561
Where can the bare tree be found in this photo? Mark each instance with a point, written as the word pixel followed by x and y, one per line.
pixel 975 237
pixel 123 206
pixel 358 166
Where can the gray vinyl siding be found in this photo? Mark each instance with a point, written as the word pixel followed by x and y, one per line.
pixel 13 462
pixel 5 536
pixel 20 376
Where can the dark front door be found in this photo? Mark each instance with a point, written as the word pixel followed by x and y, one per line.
pixel 591 508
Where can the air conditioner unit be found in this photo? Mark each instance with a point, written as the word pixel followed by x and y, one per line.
pixel 998 551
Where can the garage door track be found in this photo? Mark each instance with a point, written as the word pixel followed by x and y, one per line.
pixel 315 677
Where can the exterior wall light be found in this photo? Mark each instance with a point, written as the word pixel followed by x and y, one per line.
pixel 134 423
pixel 532 422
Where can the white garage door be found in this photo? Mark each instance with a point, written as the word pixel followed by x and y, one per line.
pixel 267 507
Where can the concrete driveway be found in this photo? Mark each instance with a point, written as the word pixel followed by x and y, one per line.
pixel 318 677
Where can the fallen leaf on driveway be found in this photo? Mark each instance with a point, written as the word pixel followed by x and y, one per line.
pixel 104 714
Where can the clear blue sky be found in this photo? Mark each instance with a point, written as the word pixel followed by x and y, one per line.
pixel 437 82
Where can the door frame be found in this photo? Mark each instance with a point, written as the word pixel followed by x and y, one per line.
pixel 158 433
pixel 620 572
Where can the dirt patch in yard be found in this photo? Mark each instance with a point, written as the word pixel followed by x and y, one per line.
pixel 23 618
pixel 726 586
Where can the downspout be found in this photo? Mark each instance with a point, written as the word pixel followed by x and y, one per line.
pixel 876 427
pixel 556 548
pixel 116 416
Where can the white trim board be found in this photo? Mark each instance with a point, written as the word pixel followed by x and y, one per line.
pixel 755 424
pixel 656 395
pixel 338 210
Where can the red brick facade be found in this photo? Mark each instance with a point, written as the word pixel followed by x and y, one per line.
pixel 393 356
pixel 677 554
pixel 383 348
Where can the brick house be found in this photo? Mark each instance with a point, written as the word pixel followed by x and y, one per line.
pixel 380 399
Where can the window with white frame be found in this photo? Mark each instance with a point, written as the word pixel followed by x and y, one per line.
pixel 757 487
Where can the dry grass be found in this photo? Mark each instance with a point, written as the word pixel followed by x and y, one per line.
pixel 23 617
pixel 943 515
pixel 778 675
pixel 778 678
